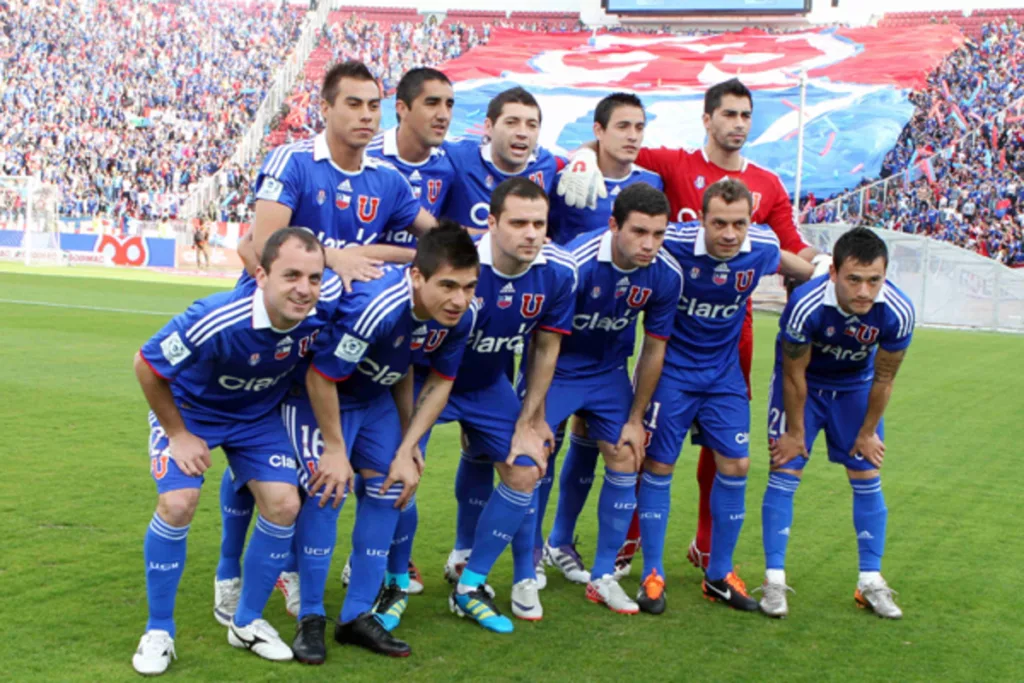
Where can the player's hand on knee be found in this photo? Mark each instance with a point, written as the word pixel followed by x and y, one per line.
pixel 333 477
pixel 786 448
pixel 403 470
pixel 633 435
pixel 190 453
pixel 527 442
pixel 545 434
pixel 354 267
pixel 870 447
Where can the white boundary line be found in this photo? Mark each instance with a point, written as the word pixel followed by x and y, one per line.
pixel 84 308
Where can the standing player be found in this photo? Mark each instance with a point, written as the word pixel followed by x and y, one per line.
pixel 361 369
pixel 214 376
pixel 722 259
pixel 200 241
pixel 841 340
pixel 619 122
pixel 623 272
pixel 728 110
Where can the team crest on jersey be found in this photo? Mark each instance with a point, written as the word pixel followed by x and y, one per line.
pixel 368 208
pixel 595 292
pixel 721 275
pixel 865 334
pixel 638 296
pixel 620 287
pixel 744 278
pixel 342 200
pixel 434 340
pixel 830 331
pixel 531 305
pixel 433 190
pixel 489 181
pixel 398 342
pixel 284 348
pixel 321 197
pixel 506 295
pixel 417 191
pixel 418 335
pixel 538 177
pixel 699 182
pixel 480 302
pixel 254 359
pixel 694 273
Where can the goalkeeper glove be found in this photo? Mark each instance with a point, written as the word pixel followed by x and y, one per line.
pixel 581 183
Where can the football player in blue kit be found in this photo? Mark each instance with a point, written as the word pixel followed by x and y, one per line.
pixel 360 397
pixel 619 122
pixel 842 338
pixel 722 258
pixel 512 128
pixel 623 273
pixel 423 104
pixel 215 376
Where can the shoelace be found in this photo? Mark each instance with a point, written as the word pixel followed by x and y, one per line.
pixel 773 589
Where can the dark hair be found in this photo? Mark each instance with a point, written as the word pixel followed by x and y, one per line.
pixel 860 244
pixel 641 198
pixel 733 86
pixel 272 249
pixel 516 186
pixel 730 191
pixel 446 245
pixel 353 69
pixel 607 106
pixel 514 95
pixel 411 85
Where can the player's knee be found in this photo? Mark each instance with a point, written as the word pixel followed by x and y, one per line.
pixel 659 468
pixel 732 467
pixel 282 508
pixel 785 470
pixel 617 459
pixel 521 479
pixel 856 475
pixel 178 507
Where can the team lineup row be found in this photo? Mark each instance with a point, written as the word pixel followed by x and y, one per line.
pixel 324 370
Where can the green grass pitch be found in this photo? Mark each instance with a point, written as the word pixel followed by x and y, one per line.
pixel 76 496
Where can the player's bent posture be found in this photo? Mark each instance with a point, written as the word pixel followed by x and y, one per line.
pixel 526 288
pixel 623 273
pixel 360 398
pixel 722 259
pixel 842 337
pixel 214 376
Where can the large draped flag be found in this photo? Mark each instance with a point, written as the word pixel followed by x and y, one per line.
pixel 857 95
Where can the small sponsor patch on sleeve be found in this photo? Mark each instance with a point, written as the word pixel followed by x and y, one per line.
pixel 174 349
pixel 350 348
pixel 796 335
pixel 270 190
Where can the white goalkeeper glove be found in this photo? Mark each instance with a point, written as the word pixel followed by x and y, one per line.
pixel 581 183
pixel 821 262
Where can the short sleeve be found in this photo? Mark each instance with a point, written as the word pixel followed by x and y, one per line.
pixel 280 179
pixel 899 324
pixel 404 206
pixel 660 314
pixel 338 349
pixel 173 349
pixel 795 331
pixel 558 316
pixel 446 360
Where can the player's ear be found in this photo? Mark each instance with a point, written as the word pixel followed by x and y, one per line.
pixel 597 130
pixel 613 224
pixel 417 277
pixel 492 222
pixel 261 277
pixel 833 274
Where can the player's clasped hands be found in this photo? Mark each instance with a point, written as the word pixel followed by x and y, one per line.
pixel 787 448
pixel 191 453
pixel 870 447
pixel 333 475
pixel 405 469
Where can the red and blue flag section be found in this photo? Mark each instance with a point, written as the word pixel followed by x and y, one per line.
pixel 859 82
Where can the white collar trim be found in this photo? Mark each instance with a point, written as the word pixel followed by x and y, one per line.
pixel 260 317
pixel 321 152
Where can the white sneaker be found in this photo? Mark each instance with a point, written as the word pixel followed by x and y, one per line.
pixel 415 580
pixel 568 561
pixel 156 648
pixel 526 600
pixel 607 591
pixel 288 584
pixel 346 573
pixel 774 602
pixel 226 594
pixel 542 576
pixel 877 596
pixel 261 638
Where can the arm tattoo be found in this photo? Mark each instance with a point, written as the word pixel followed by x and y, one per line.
pixel 794 351
pixel 424 393
pixel 887 364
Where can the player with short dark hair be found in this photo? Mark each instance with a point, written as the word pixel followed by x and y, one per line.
pixel 214 376
pixel 842 338
pixel 360 395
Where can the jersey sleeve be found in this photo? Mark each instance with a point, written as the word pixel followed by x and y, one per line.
pixel 795 331
pixel 446 360
pixel 173 349
pixel 280 179
pixel 558 316
pixel 899 327
pixel 660 314
pixel 404 205
pixel 771 255
pixel 780 218
pixel 662 160
pixel 339 348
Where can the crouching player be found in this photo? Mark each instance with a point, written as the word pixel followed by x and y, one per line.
pixel 842 337
pixel 215 376
pixel 360 396
pixel 722 260
pixel 623 272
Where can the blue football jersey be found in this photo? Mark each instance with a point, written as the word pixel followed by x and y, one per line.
pixel 341 208
pixel 703 351
pixel 843 345
pixel 372 337
pixel 568 222
pixel 224 360
pixel 511 307
pixel 608 303
pixel 476 177
pixel 431 180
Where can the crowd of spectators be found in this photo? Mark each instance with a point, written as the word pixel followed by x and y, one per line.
pixel 125 105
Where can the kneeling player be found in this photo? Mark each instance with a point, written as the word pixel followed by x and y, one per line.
pixel 841 340
pixel 722 260
pixel 360 393
pixel 623 272
pixel 214 376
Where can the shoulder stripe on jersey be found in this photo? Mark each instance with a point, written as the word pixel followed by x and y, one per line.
pixel 206 336
pixel 589 244
pixel 380 307
pixel 278 166
pixel 670 261
pixel 814 300
pixel 588 251
pixel 903 309
pixel 681 236
pixel 216 316
pixel 559 256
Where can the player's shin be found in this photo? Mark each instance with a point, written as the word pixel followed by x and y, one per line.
pixel 869 519
pixel 474 482
pixel 653 501
pixel 614 511
pixel 574 483
pixel 728 508
pixel 376 519
pixel 776 520
pixel 499 522
pixel 401 545
pixel 544 487
pixel 164 554
pixel 267 555
pixel 523 565
pixel 236 514
pixel 316 533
